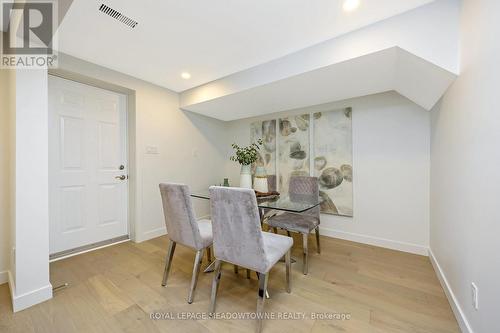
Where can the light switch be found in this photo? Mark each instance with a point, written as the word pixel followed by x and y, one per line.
pixel 152 150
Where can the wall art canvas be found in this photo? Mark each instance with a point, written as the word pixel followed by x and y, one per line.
pixel 317 144
pixel 265 130
pixel 332 136
pixel 293 149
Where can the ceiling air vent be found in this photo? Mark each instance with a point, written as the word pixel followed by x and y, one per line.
pixel 118 16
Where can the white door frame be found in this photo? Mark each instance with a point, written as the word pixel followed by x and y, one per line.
pixel 130 143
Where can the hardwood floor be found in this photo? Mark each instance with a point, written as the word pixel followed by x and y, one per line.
pixel 115 289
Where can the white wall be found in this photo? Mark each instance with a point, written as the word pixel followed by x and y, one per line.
pixel 465 176
pixel 391 172
pixel 190 146
pixel 12 171
pixel 29 281
pixel 5 190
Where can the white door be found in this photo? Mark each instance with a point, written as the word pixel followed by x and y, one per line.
pixel 87 158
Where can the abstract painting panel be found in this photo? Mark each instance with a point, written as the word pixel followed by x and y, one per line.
pixel 327 150
pixel 333 160
pixel 293 143
pixel 265 130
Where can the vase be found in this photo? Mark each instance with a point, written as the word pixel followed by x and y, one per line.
pixel 246 176
pixel 260 180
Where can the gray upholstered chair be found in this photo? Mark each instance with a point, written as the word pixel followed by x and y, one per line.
pixel 183 228
pixel 271 183
pixel 301 189
pixel 239 240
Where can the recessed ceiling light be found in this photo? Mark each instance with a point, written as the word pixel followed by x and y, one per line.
pixel 186 75
pixel 350 5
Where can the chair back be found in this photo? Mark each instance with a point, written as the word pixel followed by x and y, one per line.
pixel 271 183
pixel 305 189
pixel 236 227
pixel 180 219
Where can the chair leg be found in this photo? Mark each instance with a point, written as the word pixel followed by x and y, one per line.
pixel 215 286
pixel 236 270
pixel 168 262
pixel 209 254
pixel 258 277
pixel 288 263
pixel 196 272
pixel 306 252
pixel 261 297
pixel 318 247
pixel 288 233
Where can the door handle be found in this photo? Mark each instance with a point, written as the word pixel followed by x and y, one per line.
pixel 122 177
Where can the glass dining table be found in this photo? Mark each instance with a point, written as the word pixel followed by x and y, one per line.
pixel 294 204
pixel 269 206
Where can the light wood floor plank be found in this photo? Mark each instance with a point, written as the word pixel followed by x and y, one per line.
pixel 116 289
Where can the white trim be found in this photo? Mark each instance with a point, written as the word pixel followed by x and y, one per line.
pixel 4 277
pixel 376 241
pixel 147 235
pixel 455 305
pixel 23 301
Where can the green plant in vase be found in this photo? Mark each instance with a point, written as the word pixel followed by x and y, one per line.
pixel 245 156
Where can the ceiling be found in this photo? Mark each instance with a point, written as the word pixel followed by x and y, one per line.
pixel 208 39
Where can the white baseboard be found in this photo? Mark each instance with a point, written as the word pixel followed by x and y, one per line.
pixel 147 235
pixel 455 306
pixel 4 277
pixel 23 301
pixel 151 234
pixel 386 243
pixel 370 240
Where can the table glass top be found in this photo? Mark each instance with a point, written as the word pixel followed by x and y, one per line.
pixel 294 204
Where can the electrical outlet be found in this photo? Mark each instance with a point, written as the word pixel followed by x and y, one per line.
pixel 475 296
